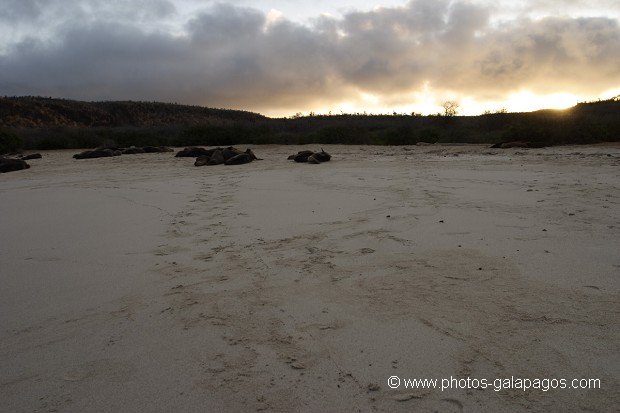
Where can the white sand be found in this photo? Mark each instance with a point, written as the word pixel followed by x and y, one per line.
pixel 142 283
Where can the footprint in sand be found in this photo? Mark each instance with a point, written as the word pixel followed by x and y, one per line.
pixel 105 369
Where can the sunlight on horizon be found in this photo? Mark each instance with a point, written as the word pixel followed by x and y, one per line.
pixel 524 101
pixel 527 101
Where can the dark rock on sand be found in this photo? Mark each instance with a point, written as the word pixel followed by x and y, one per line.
pixel 10 165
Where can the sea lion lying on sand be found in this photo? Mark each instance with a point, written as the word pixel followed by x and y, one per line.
pixel 132 151
pixel 311 157
pixel 217 158
pixel 226 156
pixel 10 165
pixel 97 153
pixel 22 156
pixel 156 149
pixel 321 156
pixel 202 160
pixel 230 152
pixel 30 156
pixel 302 156
pixel 239 159
pixel 194 152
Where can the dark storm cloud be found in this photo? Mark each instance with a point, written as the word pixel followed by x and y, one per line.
pixel 235 57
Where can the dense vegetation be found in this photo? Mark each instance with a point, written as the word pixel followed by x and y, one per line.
pixel 45 123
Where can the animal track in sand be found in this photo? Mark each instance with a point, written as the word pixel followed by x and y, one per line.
pixel 104 369
pixel 223 248
pixel 166 249
pixel 203 257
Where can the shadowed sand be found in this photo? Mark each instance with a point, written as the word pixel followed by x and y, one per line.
pixel 142 283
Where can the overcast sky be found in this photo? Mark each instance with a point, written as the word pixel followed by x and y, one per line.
pixel 283 57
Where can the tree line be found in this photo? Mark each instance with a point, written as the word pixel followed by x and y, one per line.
pixel 587 122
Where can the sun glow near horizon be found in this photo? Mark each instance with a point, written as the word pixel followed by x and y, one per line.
pixel 522 101
pixel 429 101
pixel 527 101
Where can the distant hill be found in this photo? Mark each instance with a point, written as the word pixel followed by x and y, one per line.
pixel 39 112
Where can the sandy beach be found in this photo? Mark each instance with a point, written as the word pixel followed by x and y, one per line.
pixel 141 283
